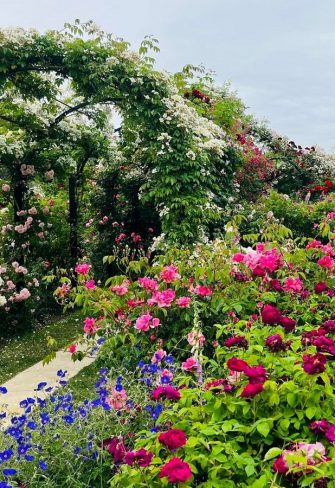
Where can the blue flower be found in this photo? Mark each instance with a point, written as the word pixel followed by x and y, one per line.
pixel 68 419
pixel 29 457
pixel 169 359
pixel 43 465
pixel 61 373
pixel 9 472
pixel 3 390
pixel 101 340
pixel 41 385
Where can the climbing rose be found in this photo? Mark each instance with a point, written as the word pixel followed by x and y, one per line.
pixel 252 389
pixel 314 363
pixel 82 268
pixel 169 274
pixel 176 471
pixel 162 298
pixel 172 439
pixel 142 457
pixel 256 374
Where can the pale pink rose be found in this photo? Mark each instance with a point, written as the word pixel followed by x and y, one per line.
pixel 40 235
pixel 49 175
pixel 183 302
pixel 3 269
pixel 158 356
pixel 195 338
pixel 117 399
pixel 21 269
pixel 105 218
pixel 23 295
pixel 5 188
pixel 32 211
pixel 46 210
pixel 15 264
pixel 10 285
pixel 191 364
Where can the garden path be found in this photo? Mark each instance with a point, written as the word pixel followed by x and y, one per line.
pixel 23 384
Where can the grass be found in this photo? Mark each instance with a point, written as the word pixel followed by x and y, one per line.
pixel 82 385
pixel 19 353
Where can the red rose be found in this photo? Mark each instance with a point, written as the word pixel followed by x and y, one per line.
pixel 172 439
pixel 276 285
pixel 252 389
pixel 235 364
pixel 271 315
pixel 176 471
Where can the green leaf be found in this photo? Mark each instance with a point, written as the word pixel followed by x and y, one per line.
pixel 272 453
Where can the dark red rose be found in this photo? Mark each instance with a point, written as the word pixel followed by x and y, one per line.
pixel 256 374
pixel 324 344
pixel 329 325
pixel 176 471
pixel 321 483
pixel 319 426
pixel 287 323
pixel 320 287
pixel 116 448
pixel 307 337
pixel 142 457
pixel 237 341
pixel 235 364
pixel 280 466
pixel 276 285
pixel 271 315
pixel 220 384
pixel 172 439
pixel 167 391
pixel 314 363
pixel 330 433
pixel 252 389
pixel 275 343
pixel 258 271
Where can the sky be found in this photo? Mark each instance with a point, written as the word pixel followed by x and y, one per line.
pixel 278 54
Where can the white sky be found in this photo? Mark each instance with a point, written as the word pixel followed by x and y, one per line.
pixel 278 54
